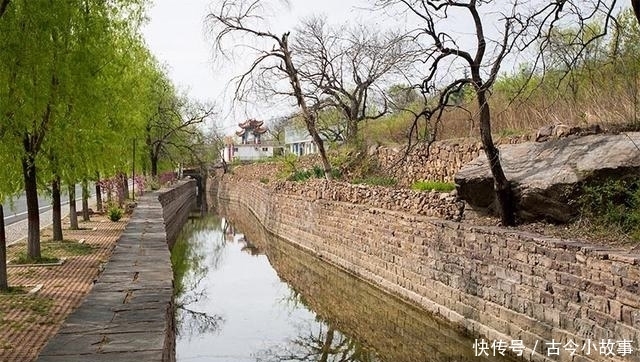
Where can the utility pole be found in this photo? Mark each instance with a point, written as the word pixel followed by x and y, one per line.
pixel 133 171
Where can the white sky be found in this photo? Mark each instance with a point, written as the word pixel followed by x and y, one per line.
pixel 175 33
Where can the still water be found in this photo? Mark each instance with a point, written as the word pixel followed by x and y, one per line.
pixel 245 295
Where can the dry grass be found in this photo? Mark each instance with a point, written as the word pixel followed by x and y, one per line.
pixel 610 100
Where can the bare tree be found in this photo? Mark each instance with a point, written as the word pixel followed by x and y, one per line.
pixel 341 66
pixel 244 18
pixel 519 27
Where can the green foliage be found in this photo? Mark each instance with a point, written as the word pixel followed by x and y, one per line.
pixel 315 172
pixel 301 175
pixel 377 181
pixel 509 132
pixel 152 183
pixel 433 185
pixel 115 213
pixel 22 258
pixel 66 248
pixel 29 303
pixel 613 205
pixel 264 180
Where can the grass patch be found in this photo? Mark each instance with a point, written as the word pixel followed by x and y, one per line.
pixel 29 303
pixel 66 248
pixel 510 132
pixel 376 181
pixel 433 185
pixel 315 172
pixel 23 258
pixel 19 290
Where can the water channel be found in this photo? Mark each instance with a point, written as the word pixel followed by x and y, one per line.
pixel 246 295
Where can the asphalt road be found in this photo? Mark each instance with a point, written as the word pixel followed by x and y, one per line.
pixel 18 211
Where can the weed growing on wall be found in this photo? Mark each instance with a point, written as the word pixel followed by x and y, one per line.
pixel 433 185
pixel 613 205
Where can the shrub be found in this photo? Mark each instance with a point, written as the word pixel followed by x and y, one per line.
pixel 152 183
pixel 115 213
pixel 301 175
pixel 433 185
pixel 613 204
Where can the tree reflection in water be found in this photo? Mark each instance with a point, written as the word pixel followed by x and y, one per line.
pixel 191 262
pixel 318 343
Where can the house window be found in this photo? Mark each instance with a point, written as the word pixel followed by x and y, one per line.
pixel 265 149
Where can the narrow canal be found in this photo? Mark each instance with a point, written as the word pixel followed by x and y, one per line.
pixel 245 295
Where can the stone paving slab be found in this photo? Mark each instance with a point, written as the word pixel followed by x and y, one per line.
pixel 24 331
pixel 128 306
pixel 107 357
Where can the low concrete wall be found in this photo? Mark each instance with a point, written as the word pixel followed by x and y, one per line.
pixel 494 282
pixel 129 313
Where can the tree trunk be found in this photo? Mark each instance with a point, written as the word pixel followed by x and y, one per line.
pixel 352 131
pixel 98 194
pixel 309 117
pixel 73 214
pixel 120 188
pixel 4 4
pixel 154 165
pixel 33 212
pixel 3 253
pixel 85 200
pixel 56 209
pixel 326 346
pixel 125 185
pixel 323 155
pixel 502 187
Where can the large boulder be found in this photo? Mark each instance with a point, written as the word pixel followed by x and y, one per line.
pixel 546 176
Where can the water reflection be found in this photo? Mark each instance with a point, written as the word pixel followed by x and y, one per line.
pixel 191 264
pixel 272 302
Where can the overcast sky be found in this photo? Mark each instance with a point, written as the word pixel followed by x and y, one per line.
pixel 175 33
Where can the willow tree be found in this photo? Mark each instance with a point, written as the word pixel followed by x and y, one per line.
pixel 48 64
pixel 458 57
pixel 173 120
pixel 9 187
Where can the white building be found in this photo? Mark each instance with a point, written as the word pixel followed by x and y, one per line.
pixel 299 142
pixel 251 147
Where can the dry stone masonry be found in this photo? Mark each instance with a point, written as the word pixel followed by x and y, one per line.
pixel 494 282
pixel 436 204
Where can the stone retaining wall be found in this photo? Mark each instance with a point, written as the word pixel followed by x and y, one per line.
pixel 496 283
pixel 438 204
pixel 176 203
pixel 129 313
pixel 361 310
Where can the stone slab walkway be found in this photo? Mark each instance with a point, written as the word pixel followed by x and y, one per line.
pixel 128 315
pixel 27 322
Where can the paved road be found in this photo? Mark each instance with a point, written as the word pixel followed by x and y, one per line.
pixel 16 223
pixel 18 211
